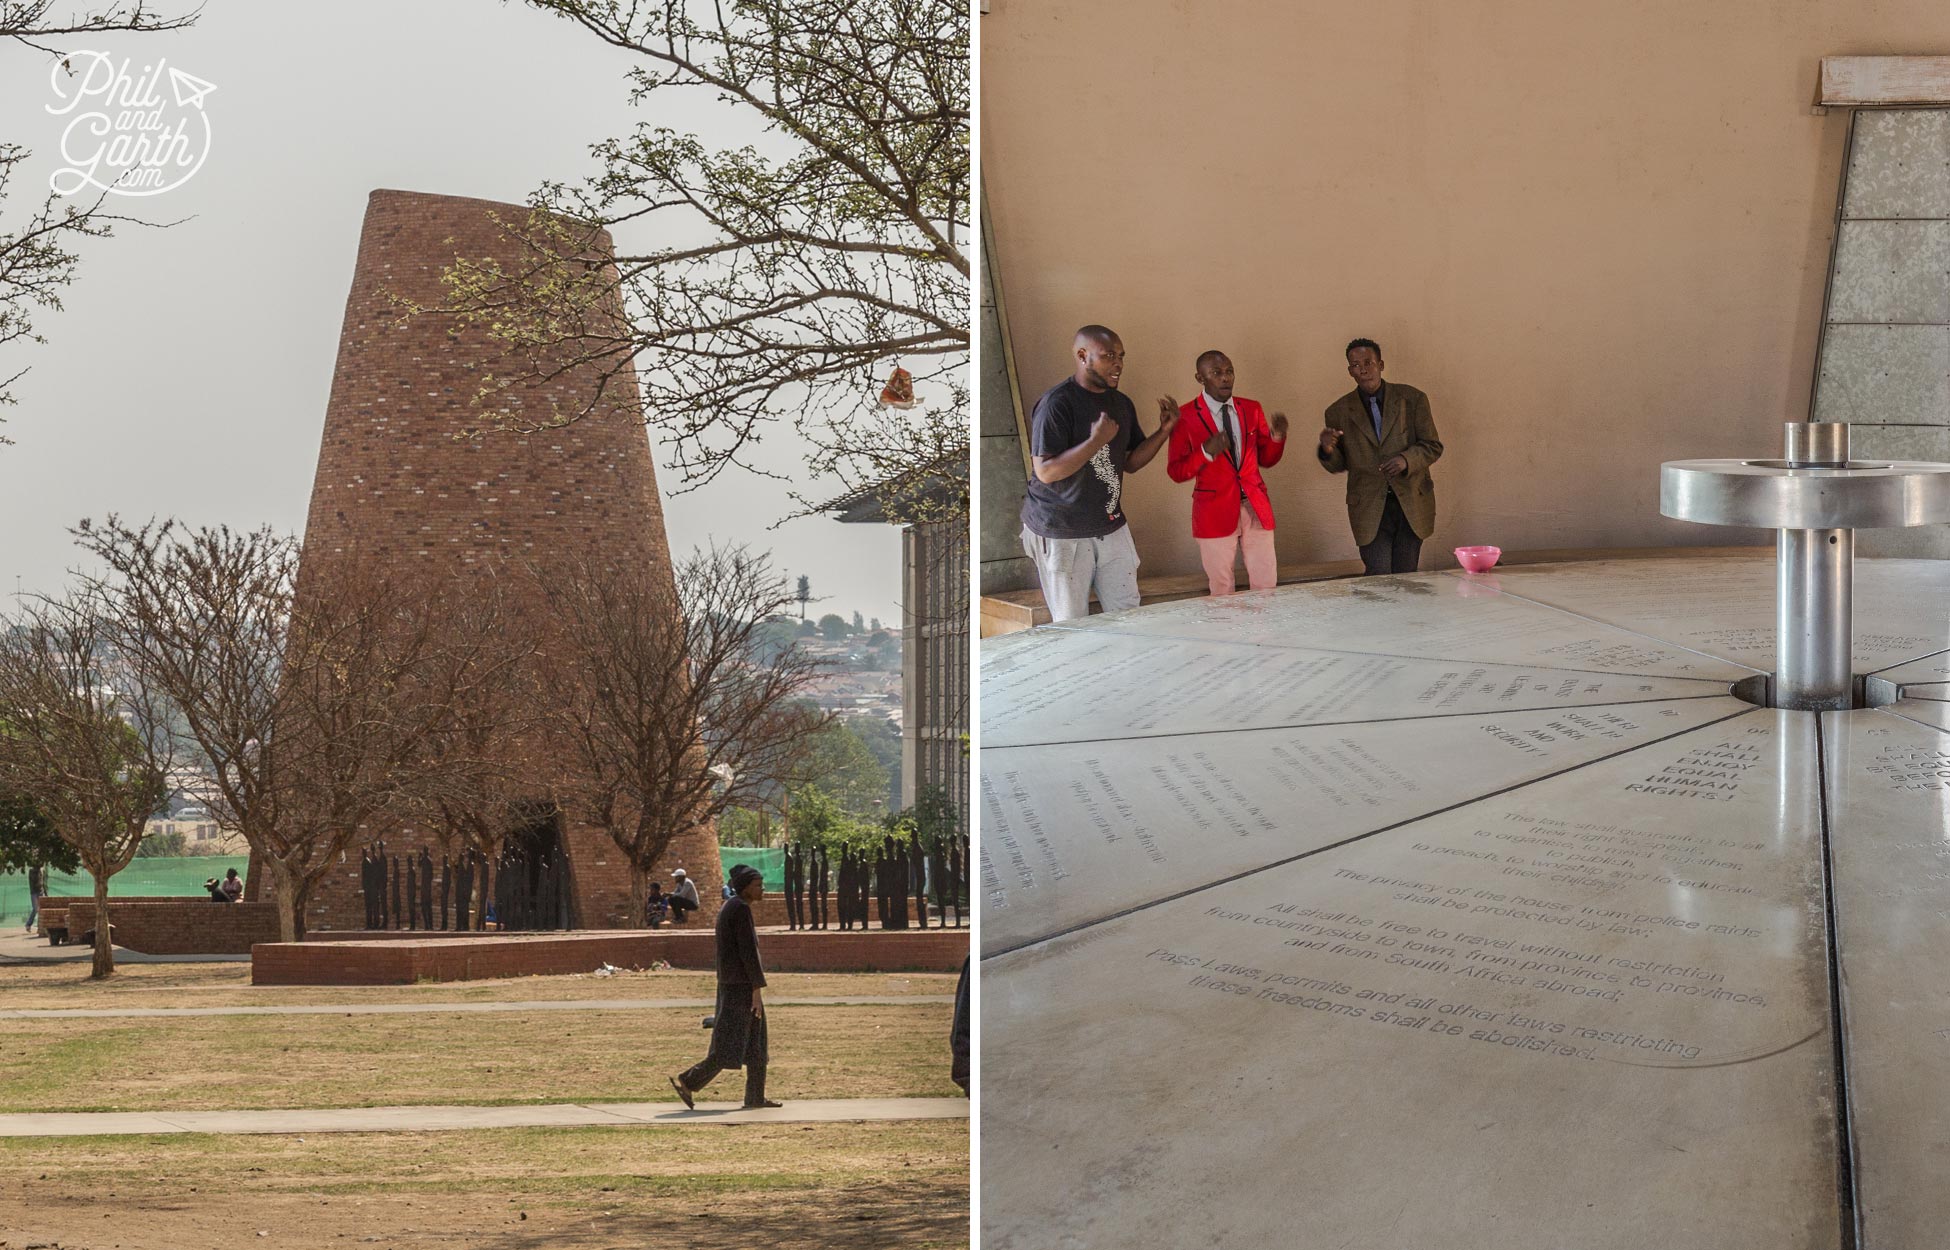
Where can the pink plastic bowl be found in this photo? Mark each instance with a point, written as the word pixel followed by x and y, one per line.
pixel 1478 559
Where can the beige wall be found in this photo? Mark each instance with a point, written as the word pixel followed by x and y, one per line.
pixel 1596 234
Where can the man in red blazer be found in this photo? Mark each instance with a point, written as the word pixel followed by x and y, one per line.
pixel 1223 443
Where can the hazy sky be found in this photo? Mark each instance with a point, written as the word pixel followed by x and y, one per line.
pixel 189 372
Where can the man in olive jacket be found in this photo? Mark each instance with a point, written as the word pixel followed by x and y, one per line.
pixel 1382 436
pixel 738 1032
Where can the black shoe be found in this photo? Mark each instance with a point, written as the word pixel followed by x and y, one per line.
pixel 683 1093
pixel 761 1103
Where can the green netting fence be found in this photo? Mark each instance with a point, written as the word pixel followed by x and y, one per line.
pixel 162 875
pixel 769 860
pixel 185 875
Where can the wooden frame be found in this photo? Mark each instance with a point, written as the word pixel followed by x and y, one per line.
pixel 1871 81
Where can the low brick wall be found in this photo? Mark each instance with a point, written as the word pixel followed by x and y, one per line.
pixel 54 909
pixel 179 926
pixel 475 958
pixel 396 935
pixel 53 914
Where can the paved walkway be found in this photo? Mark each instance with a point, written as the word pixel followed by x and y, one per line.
pixel 19 947
pixel 409 1009
pixel 428 1119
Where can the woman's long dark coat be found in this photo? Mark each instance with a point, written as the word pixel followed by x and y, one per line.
pixel 738 1038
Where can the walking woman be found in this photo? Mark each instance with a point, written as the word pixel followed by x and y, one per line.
pixel 738 1033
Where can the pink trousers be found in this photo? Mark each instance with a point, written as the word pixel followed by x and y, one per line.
pixel 1216 554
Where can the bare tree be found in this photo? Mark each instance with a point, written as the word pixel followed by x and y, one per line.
pixel 804 266
pixel 372 693
pixel 670 708
pixel 35 261
pixel 203 616
pixel 313 714
pixel 349 728
pixel 41 23
pixel 85 738
pixel 479 686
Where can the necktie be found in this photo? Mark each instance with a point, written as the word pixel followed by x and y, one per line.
pixel 1232 444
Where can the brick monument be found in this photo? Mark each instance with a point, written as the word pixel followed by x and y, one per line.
pixel 395 485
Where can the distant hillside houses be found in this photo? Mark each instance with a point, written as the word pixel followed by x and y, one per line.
pixel 862 675
pixel 188 817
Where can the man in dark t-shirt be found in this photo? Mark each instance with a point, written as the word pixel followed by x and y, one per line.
pixel 1083 439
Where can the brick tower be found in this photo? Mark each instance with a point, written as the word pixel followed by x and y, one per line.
pixel 395 485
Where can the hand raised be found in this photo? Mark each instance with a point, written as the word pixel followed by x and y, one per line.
pixel 1167 414
pixel 1216 445
pixel 1103 429
pixel 1279 427
pixel 1330 438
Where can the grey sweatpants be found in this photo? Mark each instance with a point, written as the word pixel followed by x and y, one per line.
pixel 1068 567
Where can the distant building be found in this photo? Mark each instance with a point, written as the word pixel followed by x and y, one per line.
pixel 934 623
pixel 190 814
pixel 201 834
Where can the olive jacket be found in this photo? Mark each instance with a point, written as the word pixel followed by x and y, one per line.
pixel 1407 430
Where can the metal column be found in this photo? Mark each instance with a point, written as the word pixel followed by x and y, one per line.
pixel 1814 581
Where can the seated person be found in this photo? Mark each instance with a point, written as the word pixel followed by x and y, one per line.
pixel 683 898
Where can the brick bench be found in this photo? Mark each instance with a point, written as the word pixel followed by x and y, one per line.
pixel 52 923
pixel 1007 612
pixel 179 926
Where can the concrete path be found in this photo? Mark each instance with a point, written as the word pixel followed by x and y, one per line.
pixel 19 947
pixel 428 1119
pixel 409 1009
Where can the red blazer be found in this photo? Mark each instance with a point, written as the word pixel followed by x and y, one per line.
pixel 1217 495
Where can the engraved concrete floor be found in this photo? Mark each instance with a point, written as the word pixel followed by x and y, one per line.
pixel 1466 911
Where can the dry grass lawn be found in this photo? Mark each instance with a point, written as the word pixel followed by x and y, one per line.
pixel 234 1062
pixel 874 1186
pixel 865 1186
